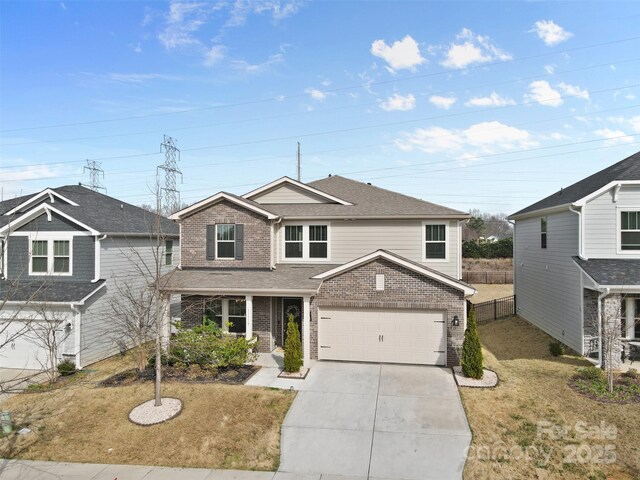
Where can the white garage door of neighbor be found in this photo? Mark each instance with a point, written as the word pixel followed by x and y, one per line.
pixel 20 349
pixel 378 335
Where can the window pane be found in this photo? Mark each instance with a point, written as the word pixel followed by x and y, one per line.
pixel 39 248
pixel 61 248
pixel 293 250
pixel 168 247
pixel 543 240
pixel 630 240
pixel 226 232
pixel 318 233
pixel 237 308
pixel 435 233
pixel 543 225
pixel 624 220
pixel 39 265
pixel 61 264
pixel 318 250
pixel 435 250
pixel 237 324
pixel 293 233
pixel 226 250
pixel 213 312
pixel 168 258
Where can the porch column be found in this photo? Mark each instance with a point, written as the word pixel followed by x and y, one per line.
pixel 165 326
pixel 249 313
pixel 306 331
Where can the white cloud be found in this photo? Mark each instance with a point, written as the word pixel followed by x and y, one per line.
pixel 63 6
pixel 141 77
pixel 550 32
pixel 183 20
pixel 480 138
pixel 540 91
pixel 257 67
pixel 630 96
pixel 442 102
pixel 558 136
pixel 494 100
pixel 550 69
pixel 278 9
pixel 574 90
pixel 614 137
pixel 316 94
pixel 399 103
pixel 213 55
pixel 472 49
pixel 635 123
pixel 402 54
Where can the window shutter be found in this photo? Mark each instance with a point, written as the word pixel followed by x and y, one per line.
pixel 239 241
pixel 211 242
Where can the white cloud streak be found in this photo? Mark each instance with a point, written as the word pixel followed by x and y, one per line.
pixel 445 103
pixel 470 49
pixel 400 55
pixel 550 32
pixel 541 92
pixel 398 102
pixel 493 100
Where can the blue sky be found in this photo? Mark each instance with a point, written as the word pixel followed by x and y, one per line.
pixel 487 105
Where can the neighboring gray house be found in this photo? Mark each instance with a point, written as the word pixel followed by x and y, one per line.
pixel 577 255
pixel 64 254
pixel 369 274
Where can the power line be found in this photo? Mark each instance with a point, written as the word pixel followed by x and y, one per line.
pixel 333 90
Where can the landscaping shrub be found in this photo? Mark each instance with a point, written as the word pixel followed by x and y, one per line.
pixel 471 360
pixel 631 373
pixel 67 367
pixel 234 352
pixel 500 249
pixel 292 347
pixel 556 348
pixel 593 374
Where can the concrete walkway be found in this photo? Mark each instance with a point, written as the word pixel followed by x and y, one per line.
pixel 371 421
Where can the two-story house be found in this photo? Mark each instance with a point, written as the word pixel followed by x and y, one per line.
pixel 66 254
pixel 369 274
pixel 577 259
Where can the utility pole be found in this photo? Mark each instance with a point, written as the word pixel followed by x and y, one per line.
pixel 299 167
pixel 95 171
pixel 171 157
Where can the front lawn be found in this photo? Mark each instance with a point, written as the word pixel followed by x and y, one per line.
pixel 220 426
pixel 534 425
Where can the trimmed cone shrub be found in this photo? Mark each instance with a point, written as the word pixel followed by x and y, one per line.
pixel 471 361
pixel 292 347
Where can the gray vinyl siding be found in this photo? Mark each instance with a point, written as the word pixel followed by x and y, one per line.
pixel 547 281
pixel 121 260
pixel 57 224
pixel 82 260
pixel 601 222
pixel 351 239
pixel 288 194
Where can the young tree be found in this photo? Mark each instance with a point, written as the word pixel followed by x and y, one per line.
pixel 48 330
pixel 471 361
pixel 292 347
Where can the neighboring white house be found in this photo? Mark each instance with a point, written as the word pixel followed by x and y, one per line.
pixel 64 254
pixel 577 258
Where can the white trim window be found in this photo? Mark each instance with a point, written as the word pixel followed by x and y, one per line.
pixel 50 256
pixel 230 314
pixel 434 237
pixel 225 240
pixel 308 242
pixel 629 230
pixel 168 252
pixel 543 232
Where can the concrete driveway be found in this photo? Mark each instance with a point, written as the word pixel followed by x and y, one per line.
pixel 371 421
pixel 13 380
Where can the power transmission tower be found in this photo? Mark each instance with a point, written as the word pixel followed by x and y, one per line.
pixel 95 171
pixel 171 196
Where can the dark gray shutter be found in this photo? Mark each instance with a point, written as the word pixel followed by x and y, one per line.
pixel 211 242
pixel 239 241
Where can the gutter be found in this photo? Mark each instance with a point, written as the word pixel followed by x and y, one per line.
pixel 604 293
pixel 581 254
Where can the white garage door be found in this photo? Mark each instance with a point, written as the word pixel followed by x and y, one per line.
pixel 377 335
pixel 19 347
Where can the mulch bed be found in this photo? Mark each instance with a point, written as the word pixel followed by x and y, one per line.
pixel 231 375
pixel 626 389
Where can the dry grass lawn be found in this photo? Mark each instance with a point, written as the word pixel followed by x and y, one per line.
pixel 489 292
pixel 533 388
pixel 221 426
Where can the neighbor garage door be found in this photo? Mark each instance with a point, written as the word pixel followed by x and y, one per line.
pixel 19 348
pixel 378 335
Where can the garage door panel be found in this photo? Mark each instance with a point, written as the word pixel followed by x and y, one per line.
pixel 378 335
pixel 21 347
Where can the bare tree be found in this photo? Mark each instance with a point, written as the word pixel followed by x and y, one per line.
pixel 48 329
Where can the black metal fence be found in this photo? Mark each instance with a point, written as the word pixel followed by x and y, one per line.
pixel 494 309
pixel 487 277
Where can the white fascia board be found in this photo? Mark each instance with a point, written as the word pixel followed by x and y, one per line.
pixel 313 218
pixel 541 212
pixel 427 272
pixel 295 183
pixel 39 210
pixel 81 302
pixel 583 201
pixel 47 191
pixel 216 198
pixel 267 292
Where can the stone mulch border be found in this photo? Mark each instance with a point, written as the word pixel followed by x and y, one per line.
pixel 489 379
pixel 147 414
pixel 299 375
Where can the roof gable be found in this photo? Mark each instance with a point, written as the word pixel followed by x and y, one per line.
pixel 47 194
pixel 291 191
pixel 44 208
pixel 219 197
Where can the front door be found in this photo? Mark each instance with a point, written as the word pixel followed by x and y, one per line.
pixel 291 306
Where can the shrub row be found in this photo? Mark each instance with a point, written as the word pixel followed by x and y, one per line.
pixel 500 249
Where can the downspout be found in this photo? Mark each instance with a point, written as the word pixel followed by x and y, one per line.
pixel 78 320
pixel 580 232
pixel 272 245
pixel 604 293
pixel 180 244
pixel 514 266
pixel 97 258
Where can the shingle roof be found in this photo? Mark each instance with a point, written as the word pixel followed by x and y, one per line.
pixel 100 212
pixel 285 277
pixel 606 271
pixel 627 169
pixel 46 291
pixel 367 200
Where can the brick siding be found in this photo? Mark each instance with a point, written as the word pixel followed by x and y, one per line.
pixel 257 237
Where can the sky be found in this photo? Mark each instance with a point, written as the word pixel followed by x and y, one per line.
pixel 473 105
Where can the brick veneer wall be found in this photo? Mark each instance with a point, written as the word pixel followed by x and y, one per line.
pixel 193 310
pixel 404 289
pixel 257 237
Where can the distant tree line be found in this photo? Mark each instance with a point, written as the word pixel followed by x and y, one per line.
pixel 478 249
pixel 484 224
